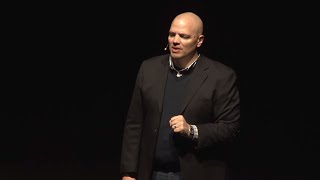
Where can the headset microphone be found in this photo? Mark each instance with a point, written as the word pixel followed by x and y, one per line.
pixel 166 47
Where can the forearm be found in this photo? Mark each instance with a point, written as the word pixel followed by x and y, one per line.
pixel 211 134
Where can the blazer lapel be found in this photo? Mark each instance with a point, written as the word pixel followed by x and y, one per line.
pixel 162 81
pixel 198 77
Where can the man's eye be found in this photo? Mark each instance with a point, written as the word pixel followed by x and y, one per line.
pixel 172 34
pixel 184 36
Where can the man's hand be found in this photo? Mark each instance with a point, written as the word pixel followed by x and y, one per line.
pixel 128 178
pixel 179 125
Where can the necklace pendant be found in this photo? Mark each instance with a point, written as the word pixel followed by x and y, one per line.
pixel 178 74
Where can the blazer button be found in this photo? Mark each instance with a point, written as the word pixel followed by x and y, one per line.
pixel 155 130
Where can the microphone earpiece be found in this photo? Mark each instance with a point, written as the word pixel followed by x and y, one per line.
pixel 166 47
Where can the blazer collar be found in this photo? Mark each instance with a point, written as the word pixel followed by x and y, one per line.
pixel 199 75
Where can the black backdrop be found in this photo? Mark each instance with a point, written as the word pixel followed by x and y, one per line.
pixel 68 73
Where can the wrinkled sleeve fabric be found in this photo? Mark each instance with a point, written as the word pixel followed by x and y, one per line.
pixel 225 124
pixel 132 129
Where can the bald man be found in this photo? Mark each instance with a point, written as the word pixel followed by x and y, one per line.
pixel 184 111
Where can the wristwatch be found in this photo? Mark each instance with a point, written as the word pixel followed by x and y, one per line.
pixel 191 131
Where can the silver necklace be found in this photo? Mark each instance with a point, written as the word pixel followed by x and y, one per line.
pixel 179 74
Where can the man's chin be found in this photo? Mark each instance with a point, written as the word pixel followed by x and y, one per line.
pixel 176 55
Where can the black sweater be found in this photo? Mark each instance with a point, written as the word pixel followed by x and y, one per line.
pixel 166 158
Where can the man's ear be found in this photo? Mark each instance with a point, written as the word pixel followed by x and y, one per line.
pixel 200 40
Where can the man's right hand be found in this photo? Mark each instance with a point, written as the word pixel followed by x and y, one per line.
pixel 128 178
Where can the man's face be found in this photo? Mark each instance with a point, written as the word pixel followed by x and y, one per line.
pixel 183 38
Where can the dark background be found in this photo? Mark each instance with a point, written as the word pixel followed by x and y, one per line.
pixel 68 72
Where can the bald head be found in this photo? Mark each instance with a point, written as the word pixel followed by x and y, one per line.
pixel 185 36
pixel 190 19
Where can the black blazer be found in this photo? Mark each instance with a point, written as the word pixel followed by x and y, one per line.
pixel 212 103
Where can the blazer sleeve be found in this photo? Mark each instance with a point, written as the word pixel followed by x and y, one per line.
pixel 225 125
pixel 132 130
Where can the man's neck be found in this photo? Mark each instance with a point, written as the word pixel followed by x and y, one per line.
pixel 185 62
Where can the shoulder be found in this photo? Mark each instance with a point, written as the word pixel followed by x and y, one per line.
pixel 154 64
pixel 155 60
pixel 219 72
pixel 217 67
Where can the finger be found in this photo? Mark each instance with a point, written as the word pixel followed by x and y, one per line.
pixel 174 118
pixel 173 122
pixel 175 128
